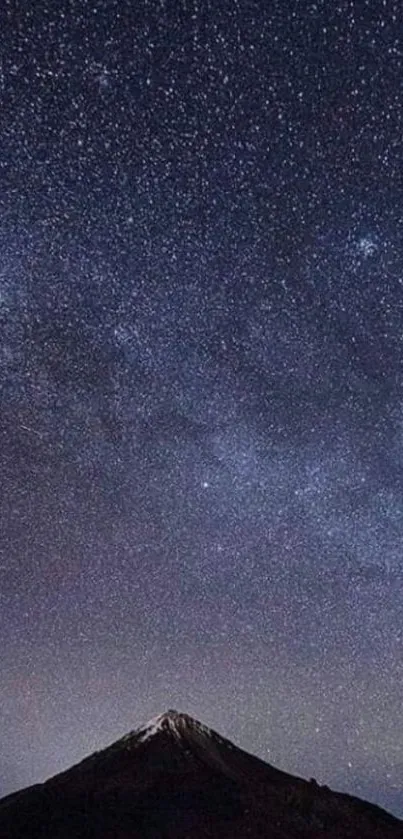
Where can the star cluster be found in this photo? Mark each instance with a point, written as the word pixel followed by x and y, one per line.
pixel 201 380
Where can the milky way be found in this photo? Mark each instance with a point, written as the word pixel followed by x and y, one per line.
pixel 201 378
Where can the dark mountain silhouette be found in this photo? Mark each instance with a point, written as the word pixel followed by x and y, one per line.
pixel 177 779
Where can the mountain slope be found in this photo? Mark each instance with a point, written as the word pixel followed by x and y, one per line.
pixel 177 779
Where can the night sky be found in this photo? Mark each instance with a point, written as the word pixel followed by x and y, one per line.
pixel 201 379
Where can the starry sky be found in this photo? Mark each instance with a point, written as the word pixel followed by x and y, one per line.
pixel 201 380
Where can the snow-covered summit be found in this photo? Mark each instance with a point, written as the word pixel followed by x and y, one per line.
pixel 173 722
pixel 168 721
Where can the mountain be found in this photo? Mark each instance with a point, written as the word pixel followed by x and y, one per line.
pixel 177 779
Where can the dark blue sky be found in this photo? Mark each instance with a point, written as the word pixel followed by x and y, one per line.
pixel 201 379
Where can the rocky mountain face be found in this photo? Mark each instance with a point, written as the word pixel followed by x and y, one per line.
pixel 177 779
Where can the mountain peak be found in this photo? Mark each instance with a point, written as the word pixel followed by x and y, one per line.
pixel 178 725
pixel 167 721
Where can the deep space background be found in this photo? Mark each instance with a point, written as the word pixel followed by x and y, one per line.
pixel 201 379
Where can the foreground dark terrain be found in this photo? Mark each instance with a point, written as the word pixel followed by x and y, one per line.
pixel 177 779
